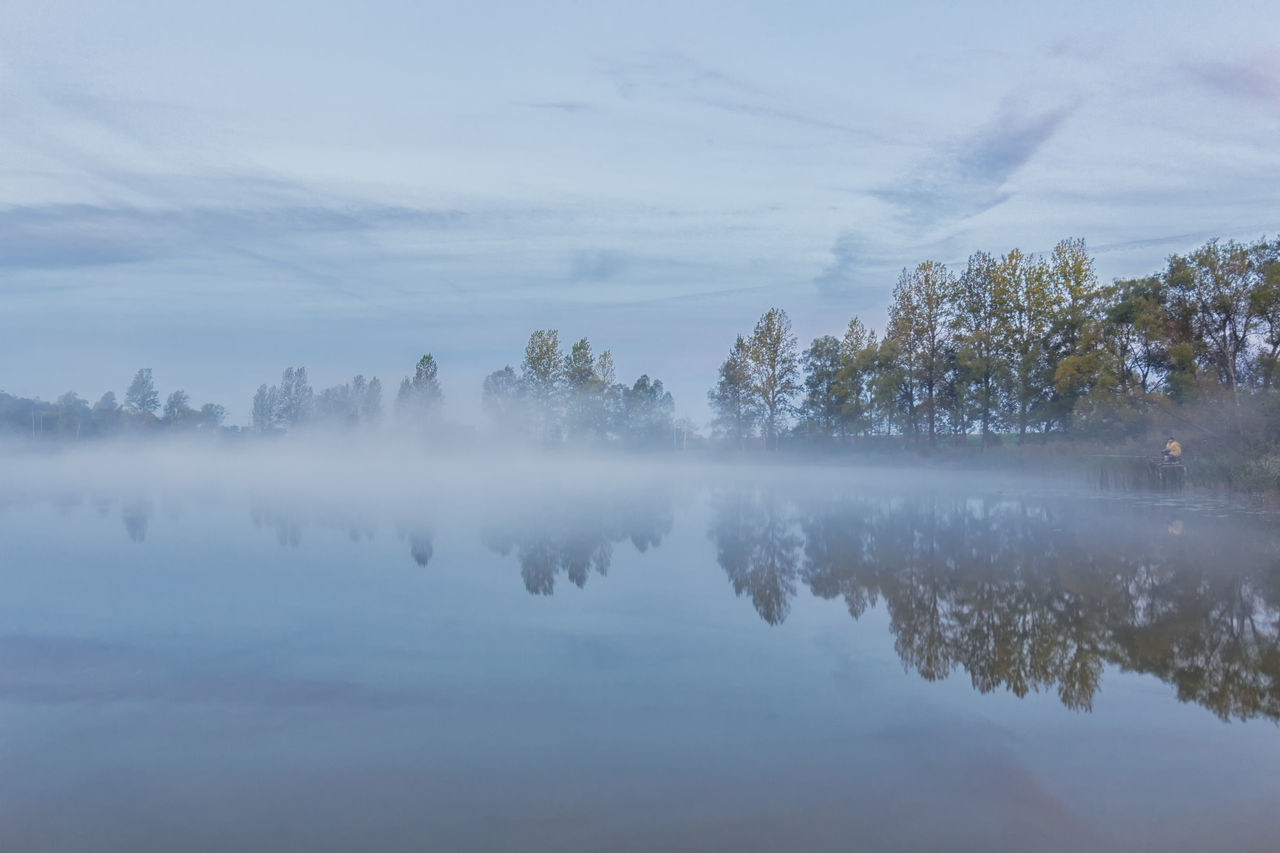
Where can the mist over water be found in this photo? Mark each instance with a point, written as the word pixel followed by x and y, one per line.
pixel 310 646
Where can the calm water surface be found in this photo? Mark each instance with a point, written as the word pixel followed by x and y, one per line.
pixel 780 661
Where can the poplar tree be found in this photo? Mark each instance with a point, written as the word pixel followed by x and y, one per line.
pixel 976 326
pixel 368 398
pixel 293 397
pixel 502 399
pixel 775 370
pixel 177 409
pixel 587 380
pixel 540 376
pixel 1025 317
pixel 420 396
pixel 648 414
pixel 264 408
pixel 858 352
pixel 732 400
pixel 141 397
pixel 919 326
pixel 1076 361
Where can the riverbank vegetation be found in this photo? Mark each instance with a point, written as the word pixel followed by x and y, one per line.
pixel 1022 349
pixel 1013 349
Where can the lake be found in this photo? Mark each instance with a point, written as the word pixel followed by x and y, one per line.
pixel 559 656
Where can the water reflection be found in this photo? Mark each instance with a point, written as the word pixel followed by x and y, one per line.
pixel 576 536
pixel 1028 595
pixel 421 537
pixel 136 515
pixel 758 547
pixel 288 523
pixel 1021 594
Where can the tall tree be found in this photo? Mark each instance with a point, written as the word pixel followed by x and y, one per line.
pixel 264 408
pixel 212 415
pixel 1076 360
pixel 371 402
pixel 648 414
pixel 732 400
pixel 1213 287
pixel 775 370
pixel 1135 330
pixel 976 324
pixel 586 385
pixel 74 415
pixel 1266 299
pixel 285 405
pixel 579 365
pixel 106 413
pixel 420 397
pixel 920 326
pixel 607 409
pixel 1025 321
pixel 501 397
pixel 541 373
pixel 141 398
pixel 293 397
pixel 823 408
pixel 337 405
pixel 892 390
pixel 177 410
pixel 858 351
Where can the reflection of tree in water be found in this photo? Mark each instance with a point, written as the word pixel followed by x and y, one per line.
pixel 420 544
pixel 576 536
pixel 1214 633
pixel 758 547
pixel 1031 596
pixel 288 523
pixel 136 516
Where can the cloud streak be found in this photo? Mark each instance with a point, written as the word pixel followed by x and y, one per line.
pixel 1257 78
pixel 968 176
pixel 597 265
pixel 73 235
pixel 683 79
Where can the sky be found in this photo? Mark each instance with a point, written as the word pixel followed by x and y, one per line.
pixel 220 190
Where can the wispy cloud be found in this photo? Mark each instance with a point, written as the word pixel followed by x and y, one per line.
pixel 681 78
pixel 570 107
pixel 962 178
pixel 71 235
pixel 863 264
pixel 597 265
pixel 848 259
pixel 967 176
pixel 1255 78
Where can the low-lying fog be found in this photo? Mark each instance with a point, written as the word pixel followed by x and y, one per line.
pixel 305 644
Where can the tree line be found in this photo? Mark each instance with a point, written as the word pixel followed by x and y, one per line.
pixel 70 417
pixel 1012 346
pixel 1020 344
pixel 572 397
pixel 556 397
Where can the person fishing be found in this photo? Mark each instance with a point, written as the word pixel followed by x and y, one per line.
pixel 1172 451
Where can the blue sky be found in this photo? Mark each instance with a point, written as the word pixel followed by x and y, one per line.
pixel 219 190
